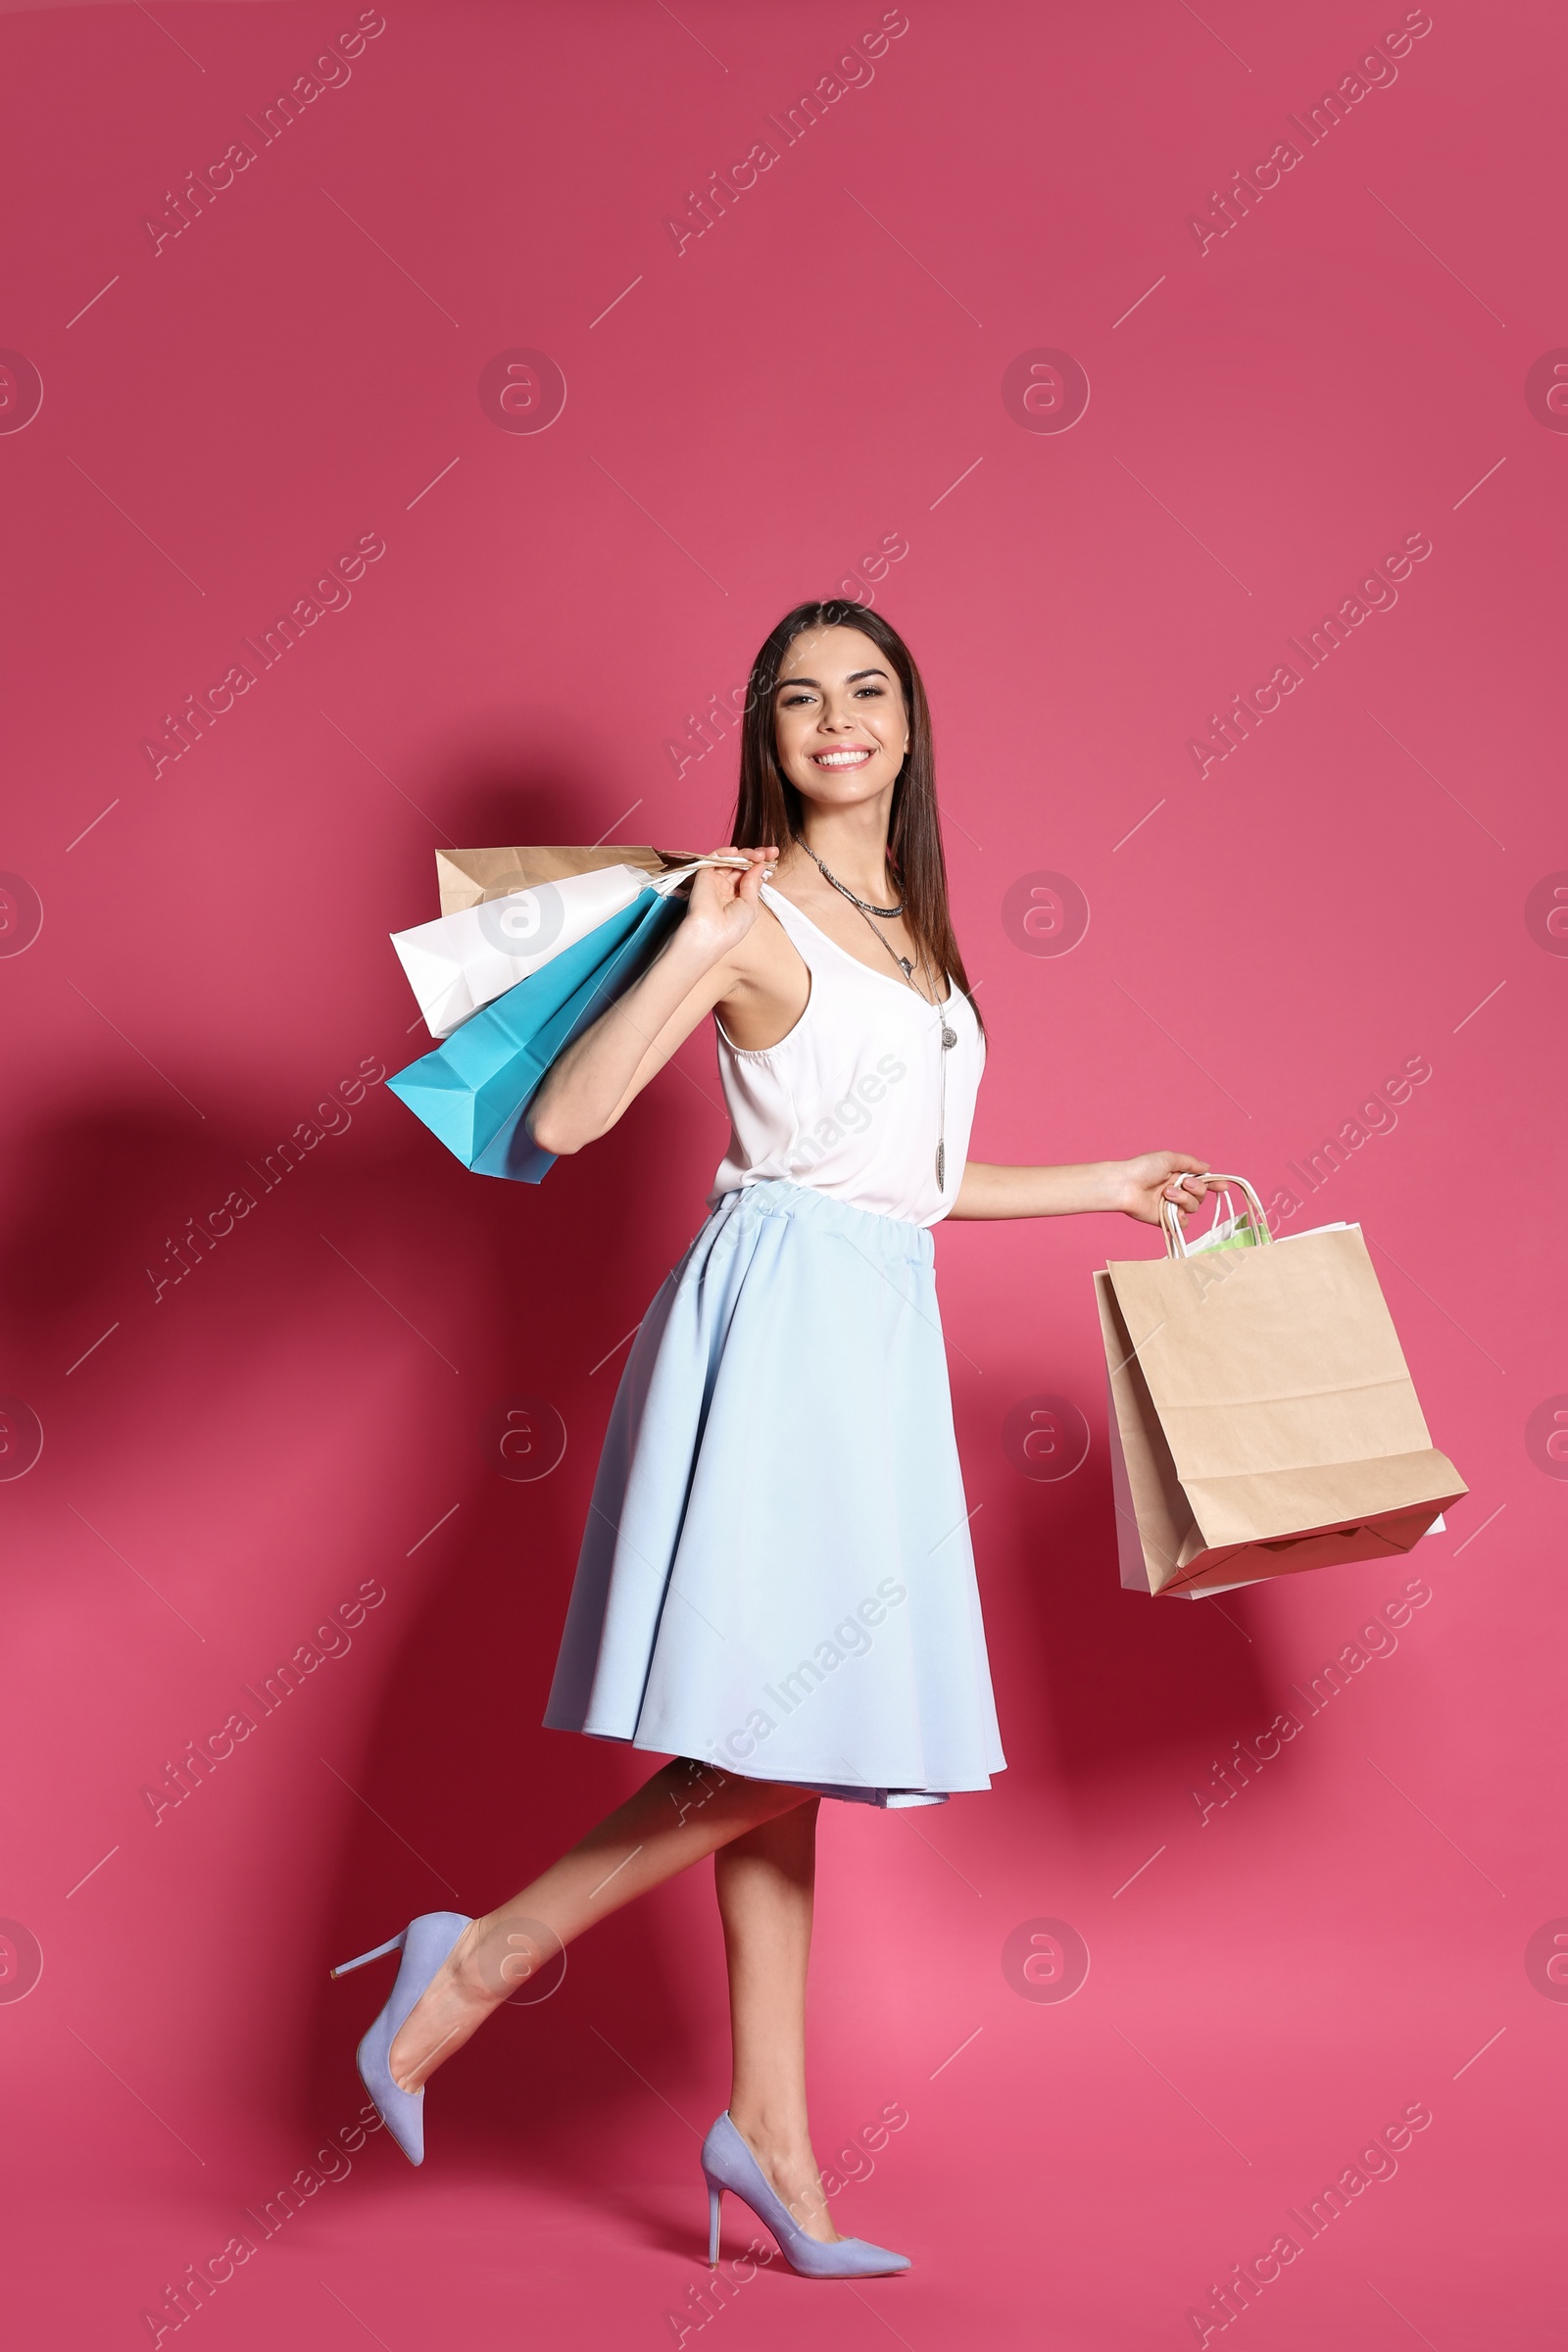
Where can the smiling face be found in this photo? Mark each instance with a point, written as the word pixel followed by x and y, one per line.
pixel 839 717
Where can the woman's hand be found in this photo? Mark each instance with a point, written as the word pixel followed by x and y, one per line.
pixel 1159 1176
pixel 588 1087
pixel 723 901
pixel 1134 1186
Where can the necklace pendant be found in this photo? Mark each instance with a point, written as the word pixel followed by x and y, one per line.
pixel 907 966
pixel 950 1037
pixel 942 1166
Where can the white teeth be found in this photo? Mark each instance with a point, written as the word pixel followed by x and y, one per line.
pixel 840 759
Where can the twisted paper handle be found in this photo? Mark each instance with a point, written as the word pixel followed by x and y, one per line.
pixel 667 884
pixel 1170 1216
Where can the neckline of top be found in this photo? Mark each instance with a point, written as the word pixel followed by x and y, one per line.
pixel 770 892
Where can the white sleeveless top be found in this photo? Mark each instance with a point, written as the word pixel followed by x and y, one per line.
pixel 850 1101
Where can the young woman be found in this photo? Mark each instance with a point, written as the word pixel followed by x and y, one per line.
pixel 776 1585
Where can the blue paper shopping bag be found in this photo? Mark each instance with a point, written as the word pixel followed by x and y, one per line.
pixel 473 1090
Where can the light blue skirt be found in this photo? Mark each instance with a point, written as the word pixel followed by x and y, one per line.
pixel 776 1576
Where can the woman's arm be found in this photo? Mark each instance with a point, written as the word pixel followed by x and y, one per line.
pixel 591 1084
pixel 1135 1187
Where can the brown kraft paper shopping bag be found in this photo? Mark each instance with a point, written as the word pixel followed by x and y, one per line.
pixel 1262 1417
pixel 468 877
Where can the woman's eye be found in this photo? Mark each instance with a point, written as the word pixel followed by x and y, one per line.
pixel 876 690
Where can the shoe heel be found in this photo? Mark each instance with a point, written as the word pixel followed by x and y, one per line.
pixel 727 2161
pixel 380 1952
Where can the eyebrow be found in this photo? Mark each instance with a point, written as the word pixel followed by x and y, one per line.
pixel 817 683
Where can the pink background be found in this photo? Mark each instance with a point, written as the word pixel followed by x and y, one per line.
pixel 314 1405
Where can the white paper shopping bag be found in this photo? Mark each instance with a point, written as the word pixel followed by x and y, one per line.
pixel 464 960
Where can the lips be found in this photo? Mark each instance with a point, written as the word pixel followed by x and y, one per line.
pixel 855 757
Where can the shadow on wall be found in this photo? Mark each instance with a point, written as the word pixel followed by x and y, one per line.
pixel 458 1764
pixel 464 1794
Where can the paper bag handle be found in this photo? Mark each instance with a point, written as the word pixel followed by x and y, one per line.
pixel 1170 1216
pixel 667 884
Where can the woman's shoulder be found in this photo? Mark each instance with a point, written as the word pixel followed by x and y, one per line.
pixel 768 984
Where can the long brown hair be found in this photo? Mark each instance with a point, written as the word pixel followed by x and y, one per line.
pixel 769 807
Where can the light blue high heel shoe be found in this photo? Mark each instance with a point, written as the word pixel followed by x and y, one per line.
pixel 728 2163
pixel 424 1944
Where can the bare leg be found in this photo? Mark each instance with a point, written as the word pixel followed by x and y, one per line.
pixel 765 1882
pixel 685 1812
